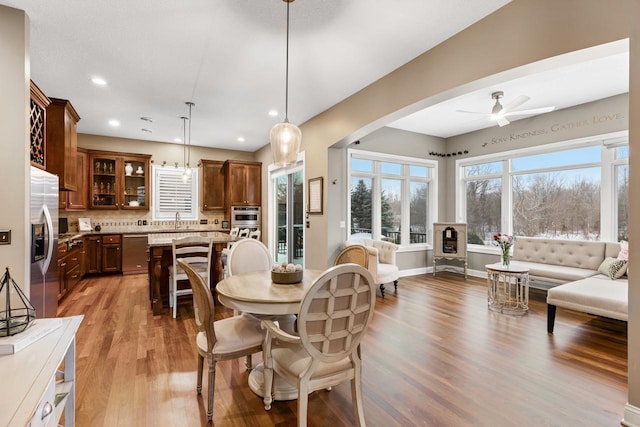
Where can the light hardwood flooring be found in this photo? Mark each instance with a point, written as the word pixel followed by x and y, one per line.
pixel 434 355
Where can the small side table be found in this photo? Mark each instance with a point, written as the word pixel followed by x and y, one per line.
pixel 508 288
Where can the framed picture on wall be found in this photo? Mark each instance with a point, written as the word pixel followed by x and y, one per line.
pixel 84 224
pixel 315 196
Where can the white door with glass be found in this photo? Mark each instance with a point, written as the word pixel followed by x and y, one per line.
pixel 288 217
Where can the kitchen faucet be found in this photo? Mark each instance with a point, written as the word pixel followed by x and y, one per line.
pixel 177 219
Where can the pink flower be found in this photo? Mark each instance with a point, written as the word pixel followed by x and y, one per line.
pixel 504 241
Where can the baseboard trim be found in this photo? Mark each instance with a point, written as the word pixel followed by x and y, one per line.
pixel 631 416
pixel 414 271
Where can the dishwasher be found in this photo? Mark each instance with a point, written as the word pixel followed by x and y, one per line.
pixel 134 253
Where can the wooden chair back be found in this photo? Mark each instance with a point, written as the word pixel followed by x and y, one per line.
pixel 356 254
pixel 336 312
pixel 203 304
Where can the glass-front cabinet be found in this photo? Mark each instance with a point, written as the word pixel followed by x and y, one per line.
pixel 119 181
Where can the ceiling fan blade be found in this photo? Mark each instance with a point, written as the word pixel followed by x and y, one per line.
pixel 472 112
pixel 502 121
pixel 518 101
pixel 532 111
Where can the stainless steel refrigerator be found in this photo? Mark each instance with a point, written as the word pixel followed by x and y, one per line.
pixel 44 243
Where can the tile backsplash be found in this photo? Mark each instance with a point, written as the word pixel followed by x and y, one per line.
pixel 135 220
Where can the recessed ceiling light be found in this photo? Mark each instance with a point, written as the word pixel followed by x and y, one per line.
pixel 99 81
pixel 177 140
pixel 240 139
pixel 273 113
pixel 146 130
pixel 114 123
pixel 147 119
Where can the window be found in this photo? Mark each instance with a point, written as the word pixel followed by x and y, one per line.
pixel 391 197
pixel 561 191
pixel 173 195
pixel 621 174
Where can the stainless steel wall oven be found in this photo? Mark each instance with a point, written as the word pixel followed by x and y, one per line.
pixel 246 217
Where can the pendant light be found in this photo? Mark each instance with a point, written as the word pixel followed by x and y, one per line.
pixel 187 148
pixel 285 137
pixel 185 177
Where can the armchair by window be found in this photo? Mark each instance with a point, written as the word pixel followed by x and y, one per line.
pixel 382 261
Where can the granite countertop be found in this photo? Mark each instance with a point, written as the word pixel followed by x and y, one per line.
pixel 165 239
pixel 183 232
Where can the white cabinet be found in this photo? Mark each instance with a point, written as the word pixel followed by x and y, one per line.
pixel 38 382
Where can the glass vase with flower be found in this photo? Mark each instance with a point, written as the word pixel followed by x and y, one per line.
pixel 504 241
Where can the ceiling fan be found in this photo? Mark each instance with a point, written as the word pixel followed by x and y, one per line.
pixel 500 113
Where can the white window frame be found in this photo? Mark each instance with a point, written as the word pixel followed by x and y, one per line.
pixel 160 212
pixel 405 178
pixel 608 193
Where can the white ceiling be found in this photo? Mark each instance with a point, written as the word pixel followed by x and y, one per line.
pixel 228 57
pixel 583 77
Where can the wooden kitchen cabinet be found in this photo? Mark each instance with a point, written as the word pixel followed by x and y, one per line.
pixel 77 200
pixel 119 181
pixel 38 126
pixel 69 267
pixel 112 253
pixel 243 183
pixel 103 253
pixel 93 254
pixel 213 182
pixel 62 269
pixel 62 142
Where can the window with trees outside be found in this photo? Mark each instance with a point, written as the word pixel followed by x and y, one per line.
pixel 391 197
pixel 569 191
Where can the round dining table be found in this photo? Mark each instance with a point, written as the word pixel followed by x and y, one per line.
pixel 256 293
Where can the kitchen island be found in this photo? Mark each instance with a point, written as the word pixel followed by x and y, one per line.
pixel 160 258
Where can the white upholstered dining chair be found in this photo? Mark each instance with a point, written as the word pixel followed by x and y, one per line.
pixel 225 339
pixel 332 320
pixel 195 251
pixel 248 255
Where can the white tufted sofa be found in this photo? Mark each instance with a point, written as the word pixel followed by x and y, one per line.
pixel 382 261
pixel 570 270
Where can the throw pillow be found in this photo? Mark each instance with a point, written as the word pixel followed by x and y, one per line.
pixel 613 268
pixel 624 250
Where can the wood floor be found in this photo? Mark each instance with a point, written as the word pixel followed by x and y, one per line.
pixel 433 356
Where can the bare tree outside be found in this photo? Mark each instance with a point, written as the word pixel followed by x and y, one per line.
pixel 545 204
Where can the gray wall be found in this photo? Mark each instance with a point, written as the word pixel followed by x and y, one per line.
pixel 14 139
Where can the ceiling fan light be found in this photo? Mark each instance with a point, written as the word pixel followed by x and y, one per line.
pixel 285 140
pixel 497 109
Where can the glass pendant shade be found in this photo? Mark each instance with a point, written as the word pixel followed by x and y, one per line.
pixel 285 140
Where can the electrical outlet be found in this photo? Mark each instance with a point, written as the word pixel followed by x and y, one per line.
pixel 5 237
